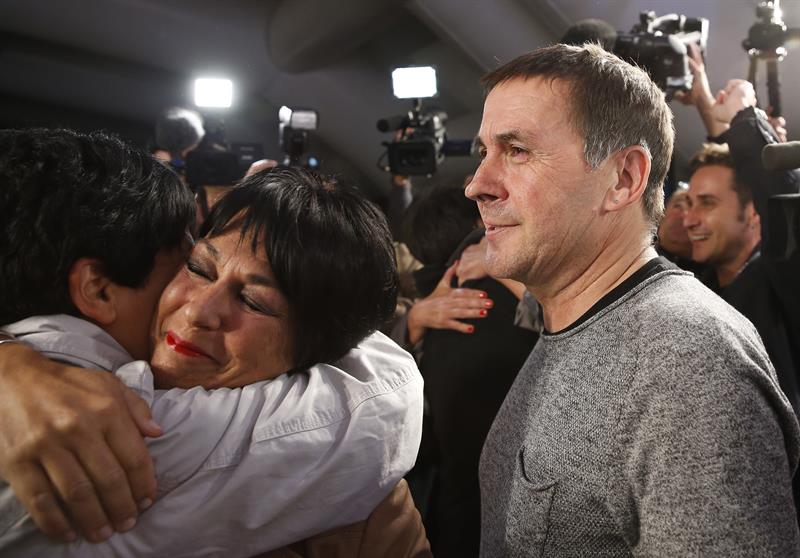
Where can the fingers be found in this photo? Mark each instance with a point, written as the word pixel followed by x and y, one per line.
pixel 777 122
pixel 472 265
pixel 457 314
pixel 258 166
pixel 468 313
pixel 736 82
pixel 459 326
pixel 464 292
pixel 467 305
pixel 103 462
pixel 739 87
pixel 72 449
pixel 77 493
pixel 34 491
pixel 739 94
pixel 443 287
pixel 140 413
pixel 695 56
pixel 131 452
pixel 447 278
pixel 694 67
pixel 106 476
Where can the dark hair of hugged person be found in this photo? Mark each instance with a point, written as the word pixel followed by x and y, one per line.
pixel 436 223
pixel 330 251
pixel 66 195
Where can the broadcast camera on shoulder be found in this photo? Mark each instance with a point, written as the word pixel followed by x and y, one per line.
pixel 766 40
pixel 293 127
pixel 421 144
pixel 659 46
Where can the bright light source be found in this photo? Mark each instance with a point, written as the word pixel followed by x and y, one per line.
pixel 299 119
pixel 414 83
pixel 285 115
pixel 213 92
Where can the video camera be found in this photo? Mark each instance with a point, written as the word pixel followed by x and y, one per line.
pixel 766 40
pixel 658 45
pixel 293 128
pixel 768 36
pixel 784 210
pixel 422 144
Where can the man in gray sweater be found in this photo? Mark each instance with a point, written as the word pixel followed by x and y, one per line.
pixel 648 420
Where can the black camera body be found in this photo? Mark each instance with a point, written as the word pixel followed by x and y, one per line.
pixel 423 144
pixel 768 36
pixel 419 149
pixel 294 125
pixel 658 46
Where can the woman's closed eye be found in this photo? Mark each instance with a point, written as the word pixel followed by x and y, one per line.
pixel 195 268
pixel 256 306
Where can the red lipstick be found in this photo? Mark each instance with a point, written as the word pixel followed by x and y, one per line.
pixel 183 347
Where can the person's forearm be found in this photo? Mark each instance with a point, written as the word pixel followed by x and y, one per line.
pixel 400 197
pixel 713 127
pixel 414 328
pixel 748 134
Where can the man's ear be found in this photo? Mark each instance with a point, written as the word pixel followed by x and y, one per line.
pixel 92 291
pixel 632 170
pixel 752 218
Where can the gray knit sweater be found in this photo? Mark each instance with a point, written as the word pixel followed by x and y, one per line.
pixel 655 428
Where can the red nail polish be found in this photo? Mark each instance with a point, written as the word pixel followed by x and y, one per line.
pixel 471 329
pixel 488 304
pixel 482 295
pixel 482 312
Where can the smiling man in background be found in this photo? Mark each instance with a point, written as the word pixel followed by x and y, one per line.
pixel 728 224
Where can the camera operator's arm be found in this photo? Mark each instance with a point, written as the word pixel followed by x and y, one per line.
pixel 749 132
pixel 65 436
pixel 700 95
pixel 444 307
pixel 400 197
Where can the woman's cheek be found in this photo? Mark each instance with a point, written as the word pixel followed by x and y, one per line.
pixel 175 295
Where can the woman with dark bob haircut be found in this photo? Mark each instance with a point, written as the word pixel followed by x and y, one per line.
pixel 320 415
pixel 330 277
pixel 330 251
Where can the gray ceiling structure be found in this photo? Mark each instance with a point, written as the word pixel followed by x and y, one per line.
pixel 115 64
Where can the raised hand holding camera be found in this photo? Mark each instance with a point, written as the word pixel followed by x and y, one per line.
pixel 737 95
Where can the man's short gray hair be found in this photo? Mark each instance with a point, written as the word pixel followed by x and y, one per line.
pixel 614 105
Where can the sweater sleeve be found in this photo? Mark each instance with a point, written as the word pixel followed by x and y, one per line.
pixel 711 445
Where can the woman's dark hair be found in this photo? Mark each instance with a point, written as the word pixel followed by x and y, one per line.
pixel 329 248
pixel 64 196
pixel 436 224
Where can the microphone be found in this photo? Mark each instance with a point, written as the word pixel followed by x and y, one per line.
pixel 591 31
pixel 781 156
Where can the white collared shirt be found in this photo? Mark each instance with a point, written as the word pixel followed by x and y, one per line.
pixel 244 470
